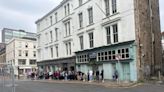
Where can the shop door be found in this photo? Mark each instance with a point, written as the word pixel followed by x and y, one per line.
pixel 126 71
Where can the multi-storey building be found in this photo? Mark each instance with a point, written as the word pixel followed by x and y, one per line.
pixel 8 34
pixel 162 52
pixel 106 35
pixel 55 39
pixel 2 53
pixel 162 40
pixel 21 53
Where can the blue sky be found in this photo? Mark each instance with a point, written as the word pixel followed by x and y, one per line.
pixel 22 14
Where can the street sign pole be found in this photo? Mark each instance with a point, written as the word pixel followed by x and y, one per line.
pixel 118 57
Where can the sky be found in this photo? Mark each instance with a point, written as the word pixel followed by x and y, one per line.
pixel 22 14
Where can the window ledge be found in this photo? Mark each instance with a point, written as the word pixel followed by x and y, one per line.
pixel 50 42
pixel 82 62
pixel 67 36
pixel 90 24
pixel 81 28
pixel 56 40
pixel 111 15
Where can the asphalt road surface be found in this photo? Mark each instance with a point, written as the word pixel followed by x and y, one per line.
pixel 32 86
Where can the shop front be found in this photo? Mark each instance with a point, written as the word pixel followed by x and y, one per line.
pixel 64 64
pixel 106 58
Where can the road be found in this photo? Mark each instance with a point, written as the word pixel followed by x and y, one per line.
pixel 31 86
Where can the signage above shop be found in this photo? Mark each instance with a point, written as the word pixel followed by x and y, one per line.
pixel 92 55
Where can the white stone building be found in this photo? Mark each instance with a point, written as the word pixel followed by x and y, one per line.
pixel 162 51
pixel 21 53
pixel 94 33
pixel 162 40
pixel 55 39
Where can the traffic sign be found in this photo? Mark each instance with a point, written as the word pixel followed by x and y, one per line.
pixel 118 57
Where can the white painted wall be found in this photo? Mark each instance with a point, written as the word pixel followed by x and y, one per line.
pixel 126 26
pixel 12 53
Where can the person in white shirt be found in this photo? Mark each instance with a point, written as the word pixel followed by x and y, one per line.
pixel 90 75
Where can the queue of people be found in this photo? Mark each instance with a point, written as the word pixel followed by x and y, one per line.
pixel 58 75
pixel 72 75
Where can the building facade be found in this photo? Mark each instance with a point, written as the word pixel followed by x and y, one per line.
pixel 2 53
pixel 55 39
pixel 162 40
pixel 102 35
pixel 9 34
pixel 21 53
pixel 162 52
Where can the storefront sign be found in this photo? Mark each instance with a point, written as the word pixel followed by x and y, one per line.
pixel 92 55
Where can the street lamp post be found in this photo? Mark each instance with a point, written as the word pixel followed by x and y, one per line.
pixel 118 57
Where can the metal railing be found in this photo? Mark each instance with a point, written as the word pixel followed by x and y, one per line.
pixel 7 78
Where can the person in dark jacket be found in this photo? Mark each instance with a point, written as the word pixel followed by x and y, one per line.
pixel 102 75
pixel 97 75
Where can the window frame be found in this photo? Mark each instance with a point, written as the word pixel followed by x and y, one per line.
pixel 70 48
pixel 80 20
pixel 115 33
pixel 51 20
pixel 34 53
pixel 56 34
pixel 32 63
pixel 91 39
pixel 52 53
pixel 56 17
pixel 80 2
pixel 81 39
pixel 19 53
pixel 108 35
pixel 57 50
pixel 51 36
pixel 107 7
pixel 90 15
pixel 26 53
pixel 22 62
pixel 114 6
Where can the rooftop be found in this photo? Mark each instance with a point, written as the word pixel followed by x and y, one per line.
pixel 57 7
pixel 20 30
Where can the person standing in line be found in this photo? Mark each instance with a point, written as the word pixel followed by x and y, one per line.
pixel 97 75
pixel 50 75
pixel 116 75
pixel 90 75
pixel 102 75
pixel 65 75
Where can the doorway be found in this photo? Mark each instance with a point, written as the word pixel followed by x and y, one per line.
pixel 126 71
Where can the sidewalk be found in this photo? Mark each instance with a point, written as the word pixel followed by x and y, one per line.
pixel 110 84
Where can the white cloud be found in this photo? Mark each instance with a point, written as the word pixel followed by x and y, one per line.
pixel 162 14
pixel 22 14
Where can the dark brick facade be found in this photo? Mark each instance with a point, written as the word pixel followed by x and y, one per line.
pixel 148 36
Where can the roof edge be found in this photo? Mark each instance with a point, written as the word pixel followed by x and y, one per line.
pixel 57 7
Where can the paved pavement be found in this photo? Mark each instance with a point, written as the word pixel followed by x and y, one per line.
pixel 111 84
pixel 36 86
pixel 78 86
